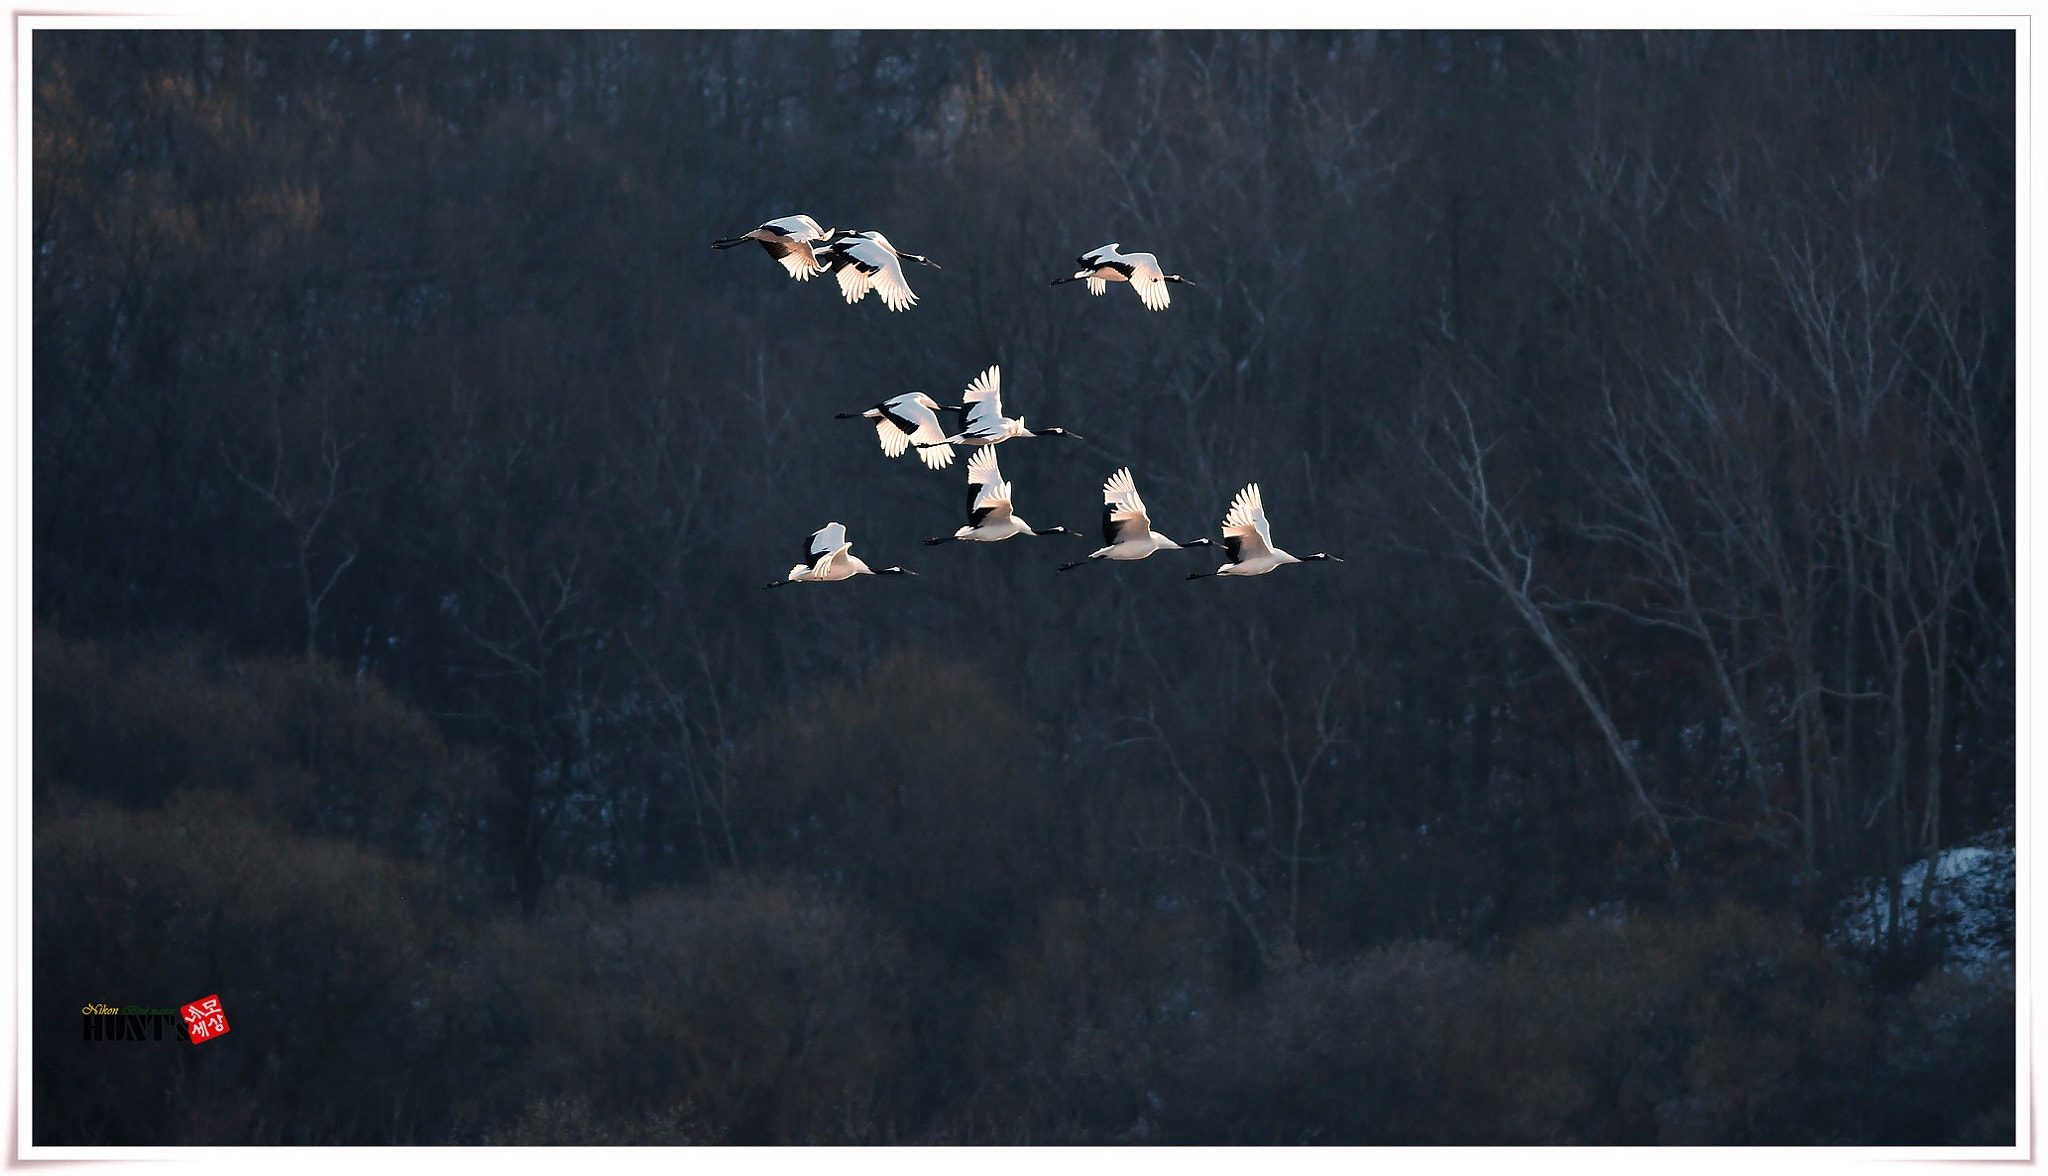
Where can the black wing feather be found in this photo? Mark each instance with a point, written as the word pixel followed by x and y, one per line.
pixel 899 422
pixel 1232 544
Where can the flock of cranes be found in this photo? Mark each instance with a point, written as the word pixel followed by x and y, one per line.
pixel 861 261
pixel 865 261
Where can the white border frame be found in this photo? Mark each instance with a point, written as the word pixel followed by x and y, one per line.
pixel 16 642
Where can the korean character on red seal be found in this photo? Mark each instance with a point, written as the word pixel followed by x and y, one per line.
pixel 205 1019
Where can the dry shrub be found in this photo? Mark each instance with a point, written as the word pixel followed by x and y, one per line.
pixel 294 739
pixel 773 1010
pixel 138 725
pixel 920 786
pixel 1387 1048
pixel 1735 1028
pixel 315 947
pixel 1082 1016
pixel 1947 1052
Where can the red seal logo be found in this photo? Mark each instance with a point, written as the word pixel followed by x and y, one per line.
pixel 205 1020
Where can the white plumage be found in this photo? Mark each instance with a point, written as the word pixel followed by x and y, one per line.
pixel 1248 540
pixel 911 418
pixel 828 556
pixel 866 261
pixel 985 423
pixel 788 240
pixel 991 516
pixel 1101 266
pixel 1126 526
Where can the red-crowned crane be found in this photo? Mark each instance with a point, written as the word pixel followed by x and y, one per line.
pixel 1100 267
pixel 910 418
pixel 828 556
pixel 788 240
pixel 985 423
pixel 866 261
pixel 1126 528
pixel 990 517
pixel 1248 540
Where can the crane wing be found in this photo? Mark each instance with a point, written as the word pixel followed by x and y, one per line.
pixel 995 508
pixel 796 228
pixel 1149 281
pixel 905 412
pixel 984 402
pixel 789 244
pixel 796 257
pixel 920 425
pixel 825 542
pixel 854 280
pixel 1098 286
pixel 983 469
pixel 888 282
pixel 936 454
pixel 1123 512
pixel 872 265
pixel 1152 292
pixel 1245 532
pixel 833 566
pixel 988 493
pixel 891 432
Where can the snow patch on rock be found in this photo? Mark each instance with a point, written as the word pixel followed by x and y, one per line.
pixel 1970 918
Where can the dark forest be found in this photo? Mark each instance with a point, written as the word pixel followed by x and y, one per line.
pixel 407 469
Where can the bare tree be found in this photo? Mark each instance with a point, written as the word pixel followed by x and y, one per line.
pixel 304 509
pixel 1485 540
